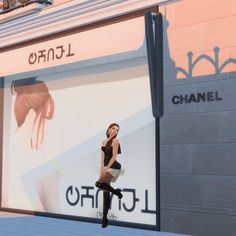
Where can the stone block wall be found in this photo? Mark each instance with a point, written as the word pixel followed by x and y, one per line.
pixel 198 137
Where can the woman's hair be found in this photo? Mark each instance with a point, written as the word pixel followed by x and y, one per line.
pixel 110 126
pixel 33 95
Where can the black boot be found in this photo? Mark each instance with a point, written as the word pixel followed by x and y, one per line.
pixel 106 206
pixel 119 194
pixel 108 187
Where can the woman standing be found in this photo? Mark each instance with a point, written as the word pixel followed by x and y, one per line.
pixel 110 169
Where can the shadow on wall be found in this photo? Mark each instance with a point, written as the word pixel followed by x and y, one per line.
pixel 213 62
pixel 215 66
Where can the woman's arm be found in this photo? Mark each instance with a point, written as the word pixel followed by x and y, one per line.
pixel 114 153
pixel 102 159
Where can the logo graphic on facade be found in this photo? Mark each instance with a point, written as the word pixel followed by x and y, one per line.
pixel 74 196
pixel 51 54
pixel 198 97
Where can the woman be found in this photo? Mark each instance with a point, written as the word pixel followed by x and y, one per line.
pixel 110 169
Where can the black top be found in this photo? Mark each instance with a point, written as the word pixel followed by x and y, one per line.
pixel 108 151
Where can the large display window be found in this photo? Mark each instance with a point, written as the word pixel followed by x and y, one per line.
pixel 59 98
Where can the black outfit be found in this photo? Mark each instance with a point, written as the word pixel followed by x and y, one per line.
pixel 108 151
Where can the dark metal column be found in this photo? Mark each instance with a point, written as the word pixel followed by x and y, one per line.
pixel 1 133
pixel 154 40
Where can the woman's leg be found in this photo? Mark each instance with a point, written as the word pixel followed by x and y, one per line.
pixel 104 184
pixel 106 206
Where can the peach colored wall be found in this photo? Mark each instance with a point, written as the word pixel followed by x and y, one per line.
pixel 199 26
pixel 58 2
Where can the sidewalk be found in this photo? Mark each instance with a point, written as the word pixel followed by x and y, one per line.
pixel 12 224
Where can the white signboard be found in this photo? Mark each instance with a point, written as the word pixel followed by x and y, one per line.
pixel 103 41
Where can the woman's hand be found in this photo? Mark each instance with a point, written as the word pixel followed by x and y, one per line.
pixel 103 170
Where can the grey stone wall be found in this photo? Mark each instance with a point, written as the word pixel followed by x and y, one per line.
pixel 198 159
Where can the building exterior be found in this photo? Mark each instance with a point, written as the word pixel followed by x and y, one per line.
pixel 197 135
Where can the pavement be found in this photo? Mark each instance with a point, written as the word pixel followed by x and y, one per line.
pixel 12 224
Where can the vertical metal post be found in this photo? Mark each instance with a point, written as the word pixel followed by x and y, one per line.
pixel 1 134
pixel 158 207
pixel 151 56
pixel 159 87
pixel 154 40
pixel 159 103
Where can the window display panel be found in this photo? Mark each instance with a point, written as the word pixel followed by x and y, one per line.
pixel 55 119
